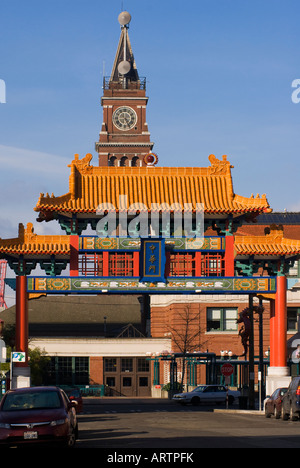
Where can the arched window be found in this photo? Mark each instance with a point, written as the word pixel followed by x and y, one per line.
pixel 124 161
pixel 134 162
pixel 112 161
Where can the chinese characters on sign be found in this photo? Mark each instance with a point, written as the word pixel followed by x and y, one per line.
pixel 153 260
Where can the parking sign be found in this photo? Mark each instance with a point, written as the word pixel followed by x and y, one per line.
pixel 18 357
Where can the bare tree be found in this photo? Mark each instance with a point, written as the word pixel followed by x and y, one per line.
pixel 186 333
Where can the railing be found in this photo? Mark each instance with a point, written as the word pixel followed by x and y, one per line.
pixel 140 84
pixel 87 390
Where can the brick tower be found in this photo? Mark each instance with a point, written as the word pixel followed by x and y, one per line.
pixel 124 136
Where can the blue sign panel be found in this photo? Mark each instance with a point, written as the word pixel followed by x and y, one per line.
pixel 153 260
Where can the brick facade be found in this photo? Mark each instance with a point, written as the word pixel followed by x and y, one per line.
pixel 96 370
pixel 185 319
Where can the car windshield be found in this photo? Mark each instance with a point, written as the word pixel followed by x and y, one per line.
pixel 200 388
pixel 31 400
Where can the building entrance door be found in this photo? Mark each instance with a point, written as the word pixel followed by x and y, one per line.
pixel 127 376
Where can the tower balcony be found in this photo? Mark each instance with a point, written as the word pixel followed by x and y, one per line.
pixel 124 83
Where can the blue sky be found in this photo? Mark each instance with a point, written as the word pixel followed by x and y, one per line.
pixel 219 75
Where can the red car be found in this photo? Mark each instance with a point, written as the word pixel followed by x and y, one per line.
pixel 274 403
pixel 36 415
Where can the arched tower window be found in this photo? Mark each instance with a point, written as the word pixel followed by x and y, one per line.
pixel 112 161
pixel 124 161
pixel 134 162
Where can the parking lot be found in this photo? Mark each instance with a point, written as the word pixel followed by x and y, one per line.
pixel 162 424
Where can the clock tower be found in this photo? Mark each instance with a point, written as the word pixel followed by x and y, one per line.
pixel 124 136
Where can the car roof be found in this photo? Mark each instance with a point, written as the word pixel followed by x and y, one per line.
pixel 30 389
pixel 211 385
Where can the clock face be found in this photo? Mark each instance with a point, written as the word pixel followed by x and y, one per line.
pixel 124 118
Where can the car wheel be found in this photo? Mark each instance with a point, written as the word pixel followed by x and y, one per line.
pixel 267 414
pixel 230 400
pixel 195 401
pixel 284 415
pixel 72 438
pixel 293 415
pixel 277 413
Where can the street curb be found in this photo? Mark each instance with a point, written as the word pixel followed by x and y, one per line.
pixel 256 412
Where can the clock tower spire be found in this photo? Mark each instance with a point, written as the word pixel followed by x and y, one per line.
pixel 124 136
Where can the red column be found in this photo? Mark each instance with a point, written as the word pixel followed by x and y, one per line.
pixel 22 318
pixel 281 323
pixel 198 256
pixel 229 255
pixel 273 337
pixel 74 248
pixel 136 264
pixel 105 264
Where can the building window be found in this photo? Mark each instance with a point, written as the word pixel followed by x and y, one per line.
pixel 143 365
pixel 81 370
pixel 68 371
pixel 127 365
pixel 110 365
pixel 222 319
pixel 111 381
pixel 292 318
pixel 143 381
pixel 112 161
pixel 127 382
pixel 65 370
pixel 134 162
pixel 124 161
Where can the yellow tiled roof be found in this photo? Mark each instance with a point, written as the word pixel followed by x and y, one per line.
pixel 91 186
pixel 30 243
pixel 272 243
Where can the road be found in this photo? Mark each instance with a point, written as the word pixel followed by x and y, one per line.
pixel 161 424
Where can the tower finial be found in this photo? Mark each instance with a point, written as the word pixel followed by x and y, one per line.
pixel 124 18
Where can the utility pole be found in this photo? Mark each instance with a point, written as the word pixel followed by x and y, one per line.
pixel 251 356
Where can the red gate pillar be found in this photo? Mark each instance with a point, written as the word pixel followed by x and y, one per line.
pixel 281 322
pixel 74 249
pixel 22 317
pixel 273 336
pixel 21 371
pixel 278 372
pixel 229 255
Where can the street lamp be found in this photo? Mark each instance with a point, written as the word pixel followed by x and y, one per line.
pixel 226 353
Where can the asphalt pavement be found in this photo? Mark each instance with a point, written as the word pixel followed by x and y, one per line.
pixel 122 424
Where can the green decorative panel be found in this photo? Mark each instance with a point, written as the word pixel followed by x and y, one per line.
pixel 123 243
pixel 236 285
